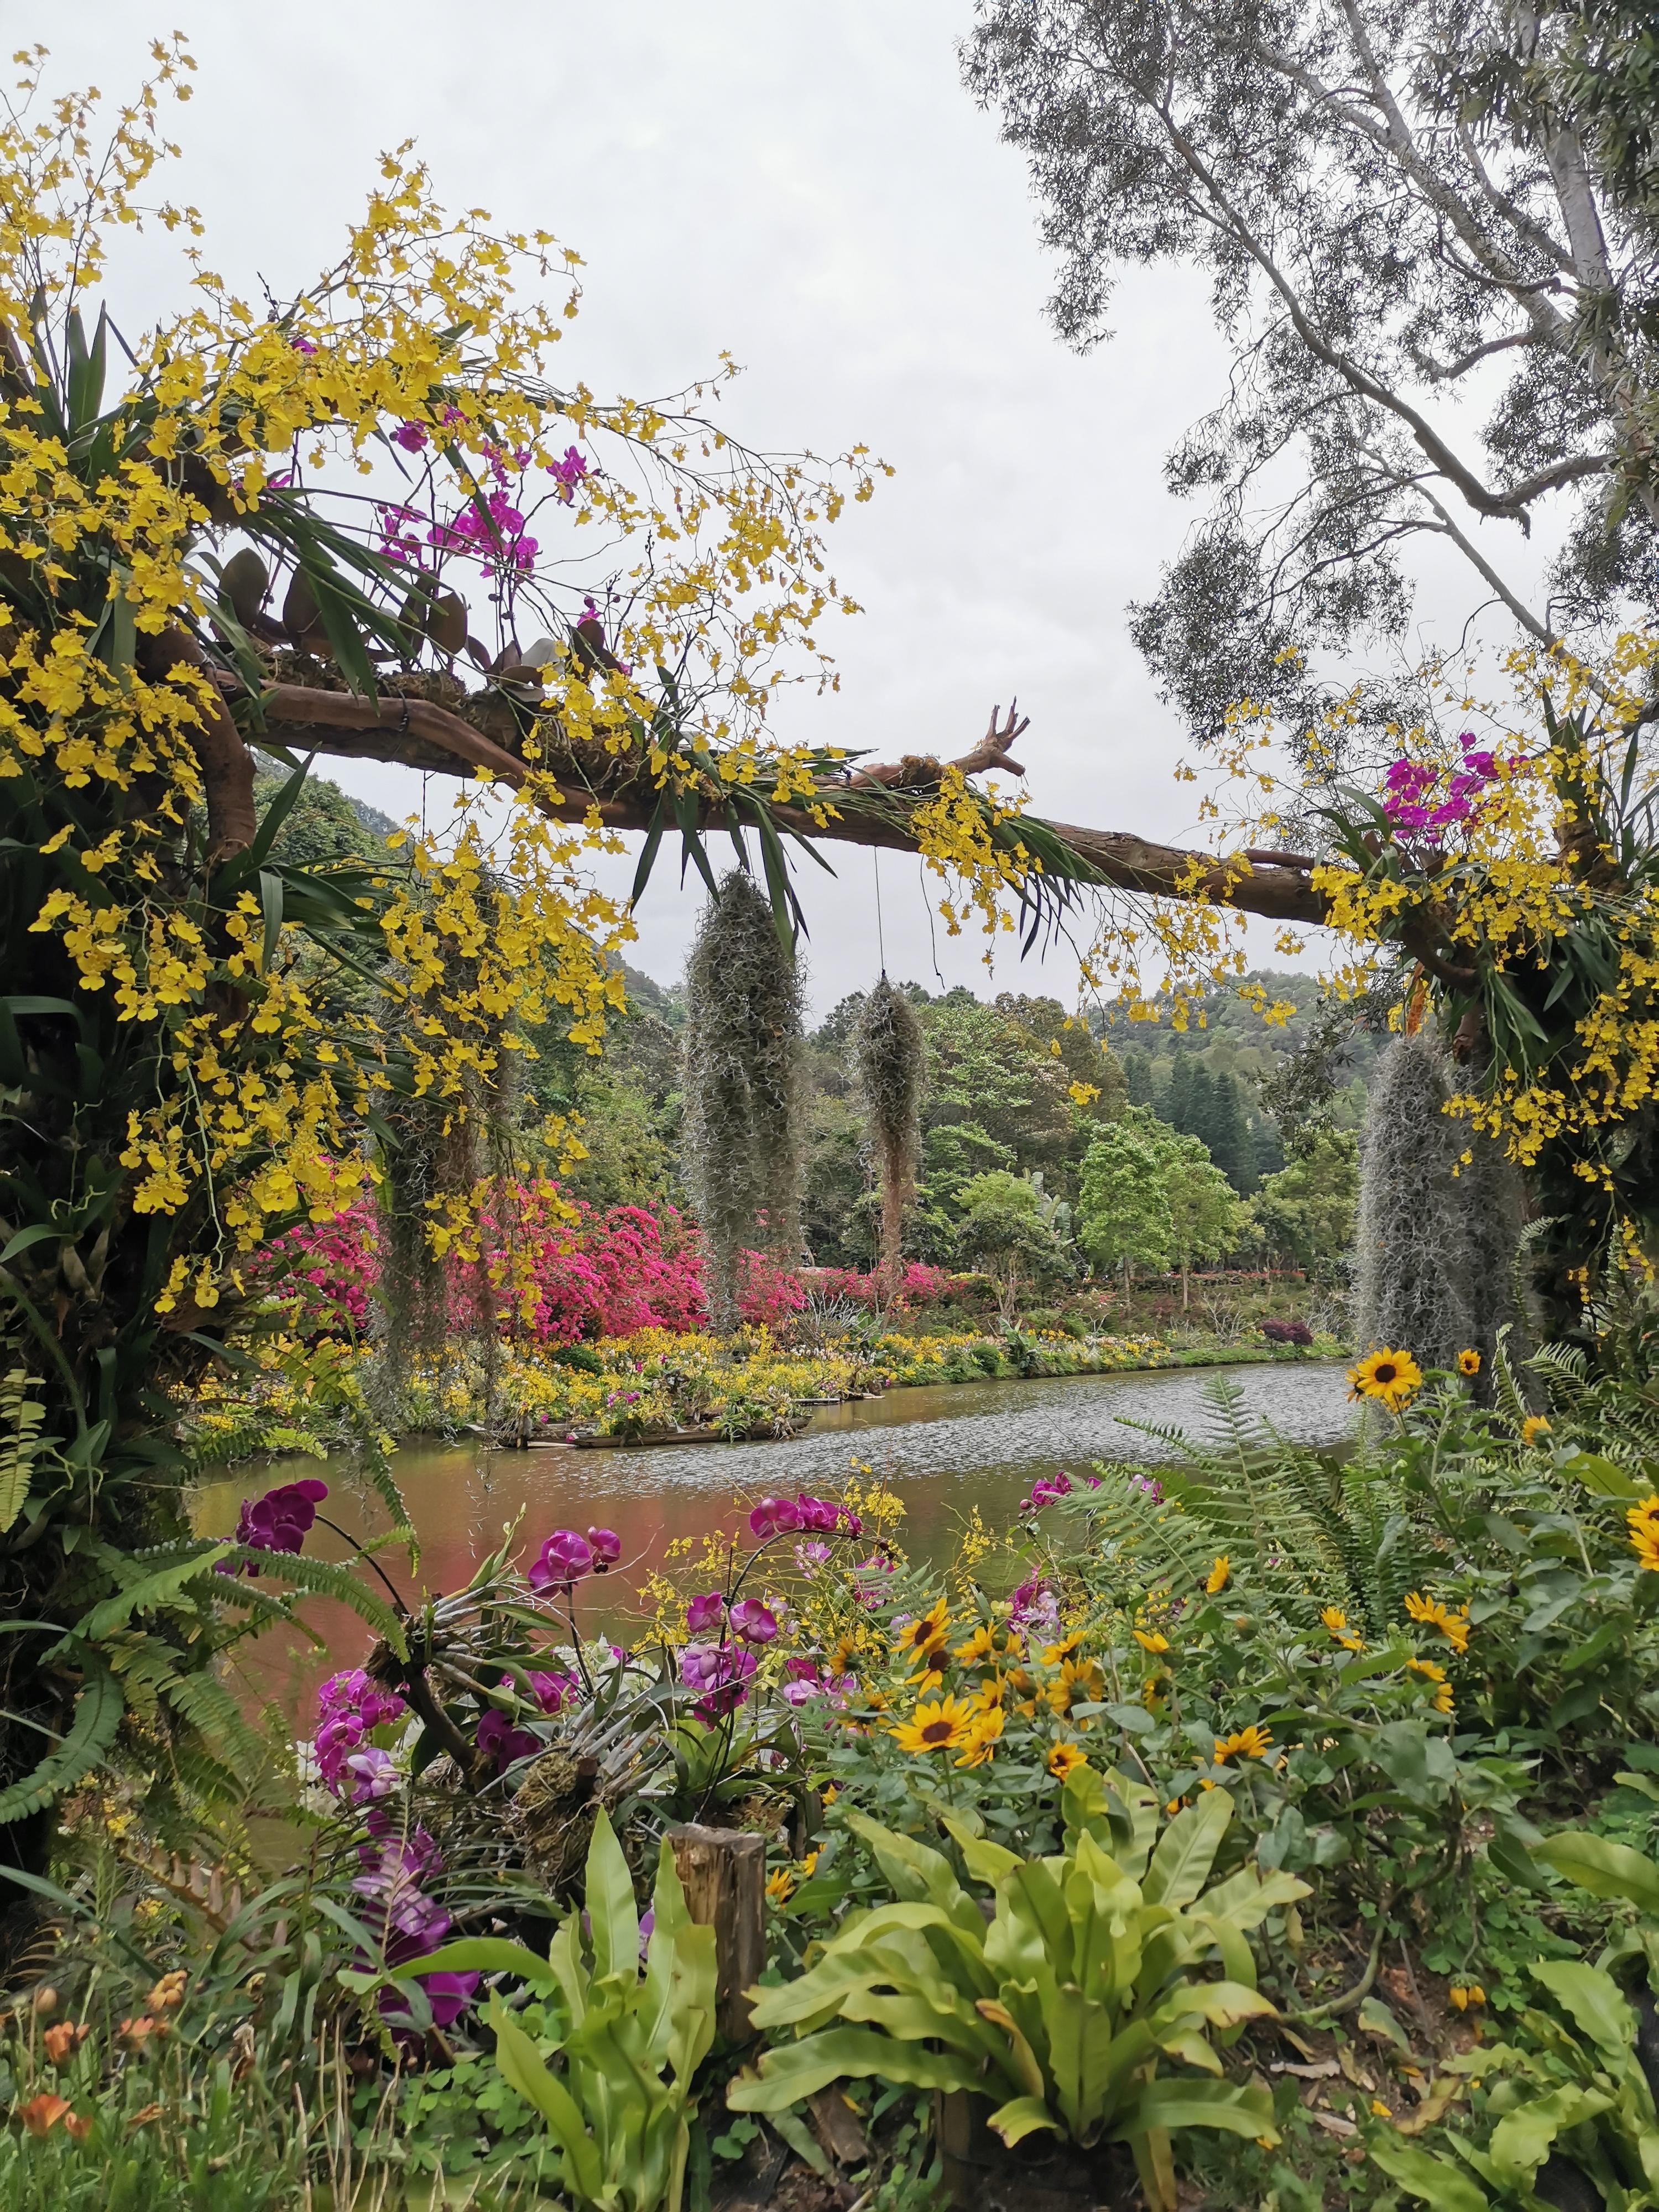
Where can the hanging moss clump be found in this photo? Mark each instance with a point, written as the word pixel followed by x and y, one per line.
pixel 742 1152
pixel 890 1056
pixel 441 1146
pixel 1414 1287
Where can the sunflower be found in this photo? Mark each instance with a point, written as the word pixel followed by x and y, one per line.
pixel 1251 1742
pixel 1064 1758
pixel 779 1885
pixel 1453 1627
pixel 939 1727
pixel 983 1732
pixel 1392 1377
pixel 982 1645
pixel 1533 1427
pixel 1076 1685
pixel 924 1639
pixel 991 1694
pixel 1643 1524
pixel 1468 1362
pixel 1218 1575
pixel 1337 1621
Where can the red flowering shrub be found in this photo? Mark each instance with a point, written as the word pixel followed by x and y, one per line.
pixel 330 1268
pixel 767 1294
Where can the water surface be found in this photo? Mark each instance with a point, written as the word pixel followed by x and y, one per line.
pixel 945 1449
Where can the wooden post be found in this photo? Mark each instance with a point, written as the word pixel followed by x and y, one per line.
pixel 723 1873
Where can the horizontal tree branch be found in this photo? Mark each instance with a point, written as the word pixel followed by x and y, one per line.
pixel 415 733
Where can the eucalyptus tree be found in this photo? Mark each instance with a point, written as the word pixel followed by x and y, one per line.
pixel 1429 231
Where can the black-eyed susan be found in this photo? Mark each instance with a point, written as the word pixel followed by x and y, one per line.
pixel 1218 1575
pixel 942 1726
pixel 984 1733
pixel 1643 1521
pixel 1392 1376
pixel 1251 1742
pixel 1336 1621
pixel 1533 1427
pixel 1065 1757
pixel 1468 1361
pixel 1453 1627
pixel 1052 1654
pixel 924 1639
pixel 1076 1685
pixel 1443 1695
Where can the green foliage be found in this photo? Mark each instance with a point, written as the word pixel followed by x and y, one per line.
pixel 1308 1208
pixel 1011 1231
pixel 742 1131
pixel 1063 2008
pixel 1572 2085
pixel 1123 1206
pixel 622 2131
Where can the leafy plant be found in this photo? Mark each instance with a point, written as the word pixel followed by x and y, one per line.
pixel 1064 2006
pixel 622 2130
pixel 1575 2094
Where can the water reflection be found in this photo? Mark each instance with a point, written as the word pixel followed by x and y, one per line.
pixel 944 1449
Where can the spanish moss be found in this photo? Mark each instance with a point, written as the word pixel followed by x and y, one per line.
pixel 888 1043
pixel 742 1061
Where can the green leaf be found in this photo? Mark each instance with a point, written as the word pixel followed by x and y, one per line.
pixel 148 1592
pixel 98 1711
pixel 483 1955
pixel 1521 2141
pixel 1605 1869
pixel 521 2067
pixel 612 1917
pixel 1239 2109
pixel 1021 2117
pixel 329 1578
pixel 1374 2016
pixel 845 2054
pixel 1435 2180
pixel 1186 1851
pixel 20 1441
pixel 1593 1998
pixel 1600 1476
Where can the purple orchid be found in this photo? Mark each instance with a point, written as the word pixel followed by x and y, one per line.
pixel 704 1612
pixel 563 1560
pixel 280 1521
pixel 606 1546
pixel 775 1517
pixel 755 1622
pixel 499 1740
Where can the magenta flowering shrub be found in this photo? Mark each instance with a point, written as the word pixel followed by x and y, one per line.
pixel 766 1294
pixel 608 1273
pixel 919 1286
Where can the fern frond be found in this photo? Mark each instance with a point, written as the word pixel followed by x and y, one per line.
pixel 20 1441
pixel 97 1710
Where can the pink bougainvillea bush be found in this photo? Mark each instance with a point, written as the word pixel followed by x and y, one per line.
pixel 919 1286
pixel 607 1272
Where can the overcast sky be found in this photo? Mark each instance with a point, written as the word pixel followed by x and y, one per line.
pixel 807 186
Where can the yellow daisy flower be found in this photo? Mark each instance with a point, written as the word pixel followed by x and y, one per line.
pixel 939 1727
pixel 1064 1757
pixel 925 1637
pixel 779 1887
pixel 1533 1427
pixel 1392 1377
pixel 983 1733
pixel 1643 1524
pixel 1150 1642
pixel 1054 1653
pixel 1218 1574
pixel 1337 1621
pixel 1453 1627
pixel 1442 1696
pixel 1468 1362
pixel 1251 1742
pixel 1076 1685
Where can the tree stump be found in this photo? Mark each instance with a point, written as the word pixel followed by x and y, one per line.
pixel 723 1873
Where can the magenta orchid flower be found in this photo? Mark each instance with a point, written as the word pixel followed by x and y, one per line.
pixel 775 1517
pixel 564 1559
pixel 704 1612
pixel 755 1622
pixel 606 1545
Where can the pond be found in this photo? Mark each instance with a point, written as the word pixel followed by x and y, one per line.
pixel 945 1449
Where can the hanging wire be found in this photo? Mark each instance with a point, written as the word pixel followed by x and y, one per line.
pixel 881 940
